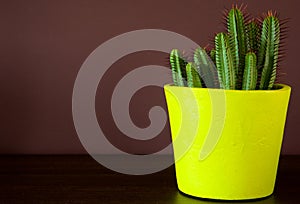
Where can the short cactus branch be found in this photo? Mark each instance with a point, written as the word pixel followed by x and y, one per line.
pixel 193 79
pixel 250 72
pixel 205 67
pixel 213 55
pixel 178 68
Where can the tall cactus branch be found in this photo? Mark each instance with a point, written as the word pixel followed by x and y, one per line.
pixel 268 52
pixel 237 41
pixel 225 62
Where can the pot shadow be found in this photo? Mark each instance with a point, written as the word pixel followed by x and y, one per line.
pixel 180 198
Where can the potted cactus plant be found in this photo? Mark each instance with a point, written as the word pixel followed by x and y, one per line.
pixel 226 112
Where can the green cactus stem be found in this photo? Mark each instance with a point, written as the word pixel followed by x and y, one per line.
pixel 252 36
pixel 237 41
pixel 224 62
pixel 250 72
pixel 268 52
pixel 213 55
pixel 193 79
pixel 178 65
pixel 206 68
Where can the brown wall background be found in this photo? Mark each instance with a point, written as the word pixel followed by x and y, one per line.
pixel 44 43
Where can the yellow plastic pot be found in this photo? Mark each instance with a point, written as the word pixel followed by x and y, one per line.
pixel 226 142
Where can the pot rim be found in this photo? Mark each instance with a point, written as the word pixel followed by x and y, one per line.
pixel 279 87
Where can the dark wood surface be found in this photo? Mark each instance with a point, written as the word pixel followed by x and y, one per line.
pixel 80 179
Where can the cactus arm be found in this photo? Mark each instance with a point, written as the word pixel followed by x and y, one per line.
pixel 272 38
pixel 237 40
pixel 193 79
pixel 252 36
pixel 224 62
pixel 176 66
pixel 230 75
pixel 262 46
pixel 250 72
pixel 213 55
pixel 206 68
pixel 219 44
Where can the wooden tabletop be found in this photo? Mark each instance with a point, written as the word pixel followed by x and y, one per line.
pixel 80 179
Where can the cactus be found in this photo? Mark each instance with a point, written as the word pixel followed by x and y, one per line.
pixel 237 41
pixel 206 68
pixel 252 36
pixel 193 78
pixel 245 57
pixel 213 55
pixel 178 68
pixel 268 52
pixel 250 72
pixel 225 62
